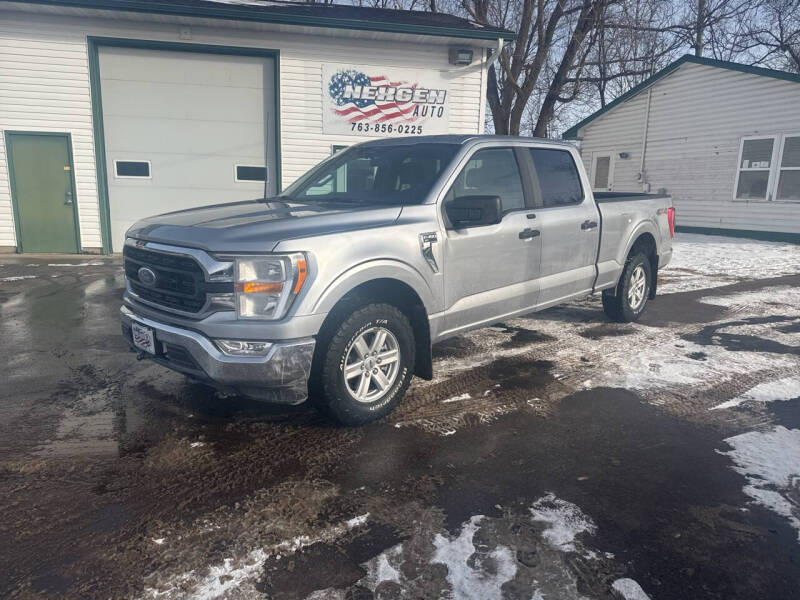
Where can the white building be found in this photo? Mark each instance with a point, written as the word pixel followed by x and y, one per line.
pixel 722 138
pixel 111 110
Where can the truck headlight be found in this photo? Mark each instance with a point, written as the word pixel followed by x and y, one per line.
pixel 265 286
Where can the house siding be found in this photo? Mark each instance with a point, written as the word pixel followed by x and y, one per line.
pixel 44 86
pixel 698 115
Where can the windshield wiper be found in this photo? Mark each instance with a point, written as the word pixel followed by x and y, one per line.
pixel 335 199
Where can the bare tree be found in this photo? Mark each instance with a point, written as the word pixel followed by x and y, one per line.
pixel 774 35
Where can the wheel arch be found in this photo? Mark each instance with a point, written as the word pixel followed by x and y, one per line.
pixel 645 242
pixel 390 289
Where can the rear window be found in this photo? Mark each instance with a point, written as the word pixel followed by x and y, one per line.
pixel 557 176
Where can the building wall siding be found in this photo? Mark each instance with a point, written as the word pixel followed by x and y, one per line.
pixel 44 86
pixel 698 116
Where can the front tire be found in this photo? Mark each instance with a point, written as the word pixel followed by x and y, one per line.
pixel 366 365
pixel 632 291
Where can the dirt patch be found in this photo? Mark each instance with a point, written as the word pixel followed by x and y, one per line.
pixel 607 330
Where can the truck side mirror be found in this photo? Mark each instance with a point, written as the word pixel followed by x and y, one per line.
pixel 474 211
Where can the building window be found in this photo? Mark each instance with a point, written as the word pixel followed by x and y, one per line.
pixel 789 170
pixel 132 169
pixel 769 169
pixel 755 167
pixel 335 148
pixel 250 173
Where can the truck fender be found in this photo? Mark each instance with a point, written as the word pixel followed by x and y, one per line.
pixel 645 227
pixel 370 271
pixel 387 269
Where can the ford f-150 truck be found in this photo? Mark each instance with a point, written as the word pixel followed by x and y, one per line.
pixel 337 288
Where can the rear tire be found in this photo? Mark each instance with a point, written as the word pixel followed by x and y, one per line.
pixel 366 365
pixel 632 291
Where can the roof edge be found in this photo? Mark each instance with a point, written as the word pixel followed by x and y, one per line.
pixel 245 13
pixel 572 132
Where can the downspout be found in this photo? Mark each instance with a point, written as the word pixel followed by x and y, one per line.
pixel 491 57
pixel 642 174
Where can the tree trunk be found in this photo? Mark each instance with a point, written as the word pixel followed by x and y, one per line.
pixel 700 27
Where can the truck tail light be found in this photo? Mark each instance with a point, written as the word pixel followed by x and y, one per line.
pixel 671 221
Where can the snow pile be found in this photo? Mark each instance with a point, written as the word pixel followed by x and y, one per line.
pixel 780 390
pixel 770 461
pixel 565 521
pixel 468 573
pixel 17 278
pixel 628 589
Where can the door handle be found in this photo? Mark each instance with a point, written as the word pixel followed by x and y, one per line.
pixel 588 224
pixel 67 198
pixel 528 233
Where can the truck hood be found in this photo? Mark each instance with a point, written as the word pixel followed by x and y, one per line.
pixel 258 226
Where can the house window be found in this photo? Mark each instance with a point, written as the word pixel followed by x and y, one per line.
pixel 250 173
pixel 769 169
pixel 789 170
pixel 755 167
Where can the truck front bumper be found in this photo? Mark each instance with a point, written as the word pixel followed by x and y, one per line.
pixel 281 376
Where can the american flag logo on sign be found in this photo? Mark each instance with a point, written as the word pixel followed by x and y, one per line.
pixel 360 97
pixel 382 101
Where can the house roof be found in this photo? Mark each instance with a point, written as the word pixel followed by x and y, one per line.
pixel 572 132
pixel 302 14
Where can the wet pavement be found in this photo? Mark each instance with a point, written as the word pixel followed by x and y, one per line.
pixel 557 456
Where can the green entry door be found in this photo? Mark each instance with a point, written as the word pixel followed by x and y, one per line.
pixel 43 191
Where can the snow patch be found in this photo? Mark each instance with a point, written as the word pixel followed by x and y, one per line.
pixel 781 390
pixel 465 396
pixel 628 589
pixel 566 521
pixel 83 264
pixel 707 261
pixel 17 278
pixel 231 574
pixel 472 574
pixel 769 295
pixel 383 567
pixel 770 461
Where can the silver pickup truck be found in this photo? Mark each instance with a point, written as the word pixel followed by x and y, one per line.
pixel 337 288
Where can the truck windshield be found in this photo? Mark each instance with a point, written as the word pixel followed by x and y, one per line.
pixel 402 174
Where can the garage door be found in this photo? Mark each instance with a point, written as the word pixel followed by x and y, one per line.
pixel 184 129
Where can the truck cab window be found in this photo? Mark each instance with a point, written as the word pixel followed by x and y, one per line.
pixel 491 172
pixel 558 178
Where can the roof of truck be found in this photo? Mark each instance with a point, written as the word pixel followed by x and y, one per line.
pixel 460 139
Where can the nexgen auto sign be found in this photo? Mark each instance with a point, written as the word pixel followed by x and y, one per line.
pixel 401 94
pixel 380 101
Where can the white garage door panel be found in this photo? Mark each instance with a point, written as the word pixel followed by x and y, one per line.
pixel 170 171
pixel 193 117
pixel 125 134
pixel 180 101
pixel 182 67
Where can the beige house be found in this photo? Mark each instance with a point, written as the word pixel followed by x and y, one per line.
pixel 722 138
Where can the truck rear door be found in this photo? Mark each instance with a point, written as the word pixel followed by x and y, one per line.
pixel 569 223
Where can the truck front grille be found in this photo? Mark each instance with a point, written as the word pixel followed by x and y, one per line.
pixel 179 280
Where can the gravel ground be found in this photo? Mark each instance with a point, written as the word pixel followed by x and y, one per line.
pixel 556 456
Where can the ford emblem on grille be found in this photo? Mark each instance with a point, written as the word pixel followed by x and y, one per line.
pixel 146 276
